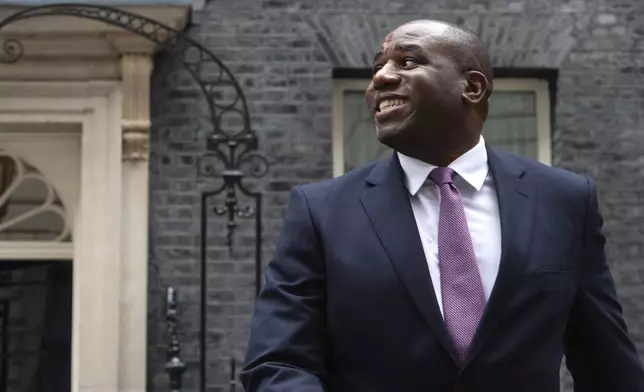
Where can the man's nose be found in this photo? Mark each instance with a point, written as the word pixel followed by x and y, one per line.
pixel 387 75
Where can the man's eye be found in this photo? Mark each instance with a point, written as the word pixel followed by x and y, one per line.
pixel 408 62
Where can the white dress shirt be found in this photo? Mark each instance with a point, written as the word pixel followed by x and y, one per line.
pixel 478 194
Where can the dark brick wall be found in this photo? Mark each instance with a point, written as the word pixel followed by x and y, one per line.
pixel 283 53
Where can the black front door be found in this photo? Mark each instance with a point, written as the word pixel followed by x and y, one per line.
pixel 35 326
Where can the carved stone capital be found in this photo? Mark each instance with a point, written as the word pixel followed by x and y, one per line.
pixel 135 141
pixel 136 71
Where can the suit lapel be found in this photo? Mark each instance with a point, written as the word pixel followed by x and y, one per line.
pixel 387 204
pixel 517 208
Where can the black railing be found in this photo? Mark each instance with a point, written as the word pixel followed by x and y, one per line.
pixel 233 375
pixel 175 367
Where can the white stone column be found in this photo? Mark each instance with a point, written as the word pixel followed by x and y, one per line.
pixel 136 70
pixel 97 245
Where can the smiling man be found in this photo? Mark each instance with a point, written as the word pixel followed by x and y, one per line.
pixel 449 266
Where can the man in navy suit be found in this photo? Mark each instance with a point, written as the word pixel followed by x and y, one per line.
pixel 450 266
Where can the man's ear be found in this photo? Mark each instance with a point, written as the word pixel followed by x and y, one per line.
pixel 477 87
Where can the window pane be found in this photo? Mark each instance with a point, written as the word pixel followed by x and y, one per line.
pixel 360 142
pixel 511 125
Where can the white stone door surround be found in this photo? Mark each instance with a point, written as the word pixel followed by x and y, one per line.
pixel 79 99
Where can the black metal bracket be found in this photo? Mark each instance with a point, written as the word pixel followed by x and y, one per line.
pixel 234 150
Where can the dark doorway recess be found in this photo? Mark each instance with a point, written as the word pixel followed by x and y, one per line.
pixel 35 326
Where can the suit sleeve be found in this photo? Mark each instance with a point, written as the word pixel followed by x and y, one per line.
pixel 286 352
pixel 600 355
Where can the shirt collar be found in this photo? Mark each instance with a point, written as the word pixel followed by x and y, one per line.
pixel 471 166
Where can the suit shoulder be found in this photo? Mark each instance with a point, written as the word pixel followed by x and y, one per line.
pixel 332 186
pixel 552 177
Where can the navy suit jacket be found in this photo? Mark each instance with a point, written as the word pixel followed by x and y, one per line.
pixel 348 304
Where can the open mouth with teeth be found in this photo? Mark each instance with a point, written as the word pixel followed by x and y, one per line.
pixel 391 103
pixel 393 108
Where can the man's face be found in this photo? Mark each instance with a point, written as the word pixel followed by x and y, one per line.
pixel 417 87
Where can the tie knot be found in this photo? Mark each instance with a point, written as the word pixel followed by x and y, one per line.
pixel 442 175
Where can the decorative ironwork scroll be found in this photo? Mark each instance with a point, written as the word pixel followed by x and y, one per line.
pixel 231 141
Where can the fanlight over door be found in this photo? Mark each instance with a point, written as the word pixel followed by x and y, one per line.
pixel 35 294
pixel 30 209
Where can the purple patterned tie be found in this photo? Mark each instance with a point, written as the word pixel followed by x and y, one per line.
pixel 461 287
